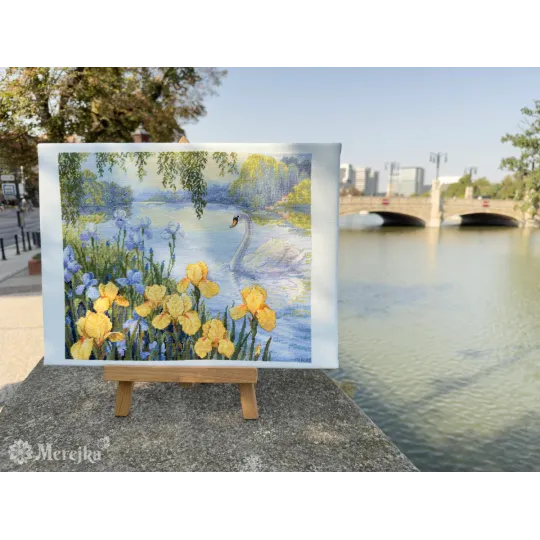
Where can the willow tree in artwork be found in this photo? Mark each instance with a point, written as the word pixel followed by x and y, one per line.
pixel 183 170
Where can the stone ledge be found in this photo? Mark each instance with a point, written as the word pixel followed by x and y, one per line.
pixel 306 424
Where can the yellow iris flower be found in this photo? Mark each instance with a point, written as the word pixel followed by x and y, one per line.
pixel 196 274
pixel 177 310
pixel 214 336
pixel 108 295
pixel 255 302
pixel 156 295
pixel 94 328
pixel 257 351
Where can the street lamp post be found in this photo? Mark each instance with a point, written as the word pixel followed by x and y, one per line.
pixel 20 211
pixel 394 169
pixel 470 171
pixel 436 157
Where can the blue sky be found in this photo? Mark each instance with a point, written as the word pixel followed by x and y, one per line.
pixel 378 114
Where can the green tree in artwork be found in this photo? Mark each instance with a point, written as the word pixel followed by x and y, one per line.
pixel 176 169
pixel 525 164
pixel 301 194
pixel 263 181
pixel 98 104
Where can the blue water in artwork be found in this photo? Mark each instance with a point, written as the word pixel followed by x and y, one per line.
pixel 212 240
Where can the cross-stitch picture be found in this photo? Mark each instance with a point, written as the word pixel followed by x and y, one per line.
pixel 193 255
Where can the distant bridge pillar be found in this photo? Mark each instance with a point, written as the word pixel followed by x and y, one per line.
pixel 436 213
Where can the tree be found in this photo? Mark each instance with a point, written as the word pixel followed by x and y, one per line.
pixel 458 188
pixel 97 104
pixel 508 188
pixel 527 141
pixel 176 169
pixel 482 187
pixel 263 181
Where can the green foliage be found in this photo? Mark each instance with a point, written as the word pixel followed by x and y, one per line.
pixel 71 186
pixel 300 195
pixel 482 187
pixel 262 181
pixel 527 142
pixel 509 188
pixel 99 104
pixel 177 169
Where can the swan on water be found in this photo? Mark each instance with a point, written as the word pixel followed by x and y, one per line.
pixel 274 256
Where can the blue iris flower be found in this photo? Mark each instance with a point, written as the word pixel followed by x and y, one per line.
pixel 143 227
pixel 120 221
pixel 89 232
pixel 135 324
pixel 134 241
pixel 151 348
pixel 89 285
pixel 133 279
pixel 120 347
pixel 71 266
pixel 172 230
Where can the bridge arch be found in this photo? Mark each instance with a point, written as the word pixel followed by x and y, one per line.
pixel 399 219
pixel 390 218
pixel 495 218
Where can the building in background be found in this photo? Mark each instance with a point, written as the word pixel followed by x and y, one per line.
pixel 346 175
pixel 446 180
pixel 360 175
pixel 371 185
pixel 364 179
pixel 408 181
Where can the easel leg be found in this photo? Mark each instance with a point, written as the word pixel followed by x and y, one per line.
pixel 249 401
pixel 123 398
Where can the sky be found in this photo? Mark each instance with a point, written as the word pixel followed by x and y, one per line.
pixel 378 114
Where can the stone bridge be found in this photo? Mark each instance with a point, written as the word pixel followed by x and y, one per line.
pixel 432 211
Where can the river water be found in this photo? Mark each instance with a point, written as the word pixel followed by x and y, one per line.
pixel 440 341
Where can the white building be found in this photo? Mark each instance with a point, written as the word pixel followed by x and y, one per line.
pixel 445 180
pixel 346 175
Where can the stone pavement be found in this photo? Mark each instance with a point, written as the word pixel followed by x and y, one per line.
pixel 14 263
pixel 21 339
pixel 306 424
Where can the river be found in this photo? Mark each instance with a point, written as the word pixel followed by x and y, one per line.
pixel 440 341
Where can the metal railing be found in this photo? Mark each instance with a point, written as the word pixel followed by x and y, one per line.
pixel 26 240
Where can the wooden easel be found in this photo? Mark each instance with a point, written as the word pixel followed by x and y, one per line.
pixel 185 376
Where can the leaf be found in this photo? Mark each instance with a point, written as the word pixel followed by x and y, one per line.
pixel 266 352
pixel 233 331
pixel 238 349
pixel 225 318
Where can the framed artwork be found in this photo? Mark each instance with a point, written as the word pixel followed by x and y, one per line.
pixel 190 254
